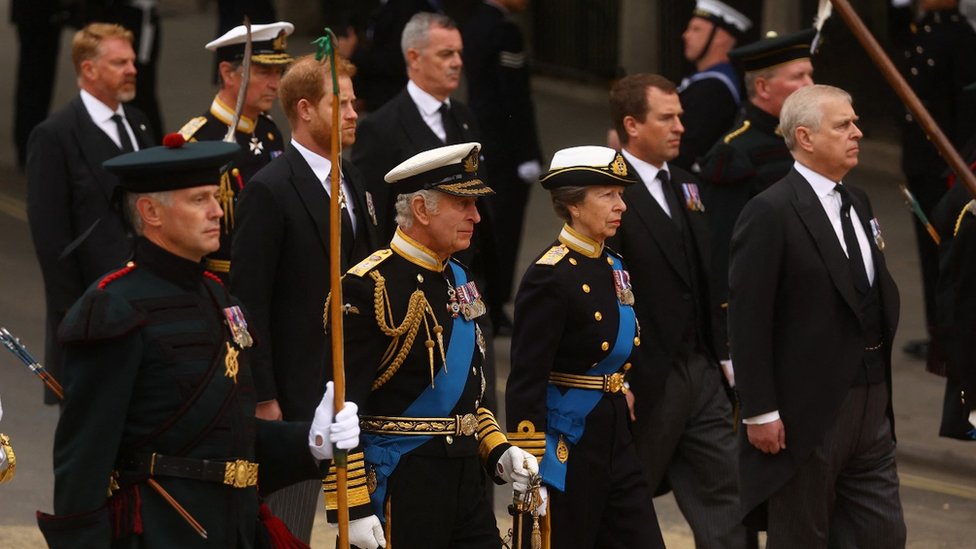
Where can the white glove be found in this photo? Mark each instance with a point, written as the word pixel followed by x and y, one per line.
pixel 544 504
pixel 366 533
pixel 529 171
pixel 972 418
pixel 343 432
pixel 729 371
pixel 515 466
pixel 1 410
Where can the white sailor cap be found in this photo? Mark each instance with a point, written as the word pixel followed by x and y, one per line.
pixel 723 15
pixel 452 169
pixel 587 165
pixel 268 43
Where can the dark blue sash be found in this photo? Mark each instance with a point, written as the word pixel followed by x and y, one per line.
pixel 383 452
pixel 568 411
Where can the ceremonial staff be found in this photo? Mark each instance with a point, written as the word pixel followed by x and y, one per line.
pixel 21 352
pixel 904 92
pixel 326 48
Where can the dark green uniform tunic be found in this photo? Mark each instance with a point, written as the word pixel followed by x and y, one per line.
pixel 741 165
pixel 145 373
pixel 260 142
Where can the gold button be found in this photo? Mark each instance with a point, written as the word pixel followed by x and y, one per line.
pixel 598 316
pixel 586 288
pixel 628 366
pixel 572 261
pixel 420 278
pixel 610 260
pixel 605 346
pixel 449 439
pixel 636 342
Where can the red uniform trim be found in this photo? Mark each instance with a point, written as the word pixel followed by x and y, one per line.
pixel 213 277
pixel 111 277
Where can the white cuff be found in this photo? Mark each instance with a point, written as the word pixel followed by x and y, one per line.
pixel 972 418
pixel 761 419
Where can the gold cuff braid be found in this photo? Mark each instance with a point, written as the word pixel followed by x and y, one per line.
pixel 528 439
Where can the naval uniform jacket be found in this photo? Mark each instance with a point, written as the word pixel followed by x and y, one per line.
pixel 146 373
pixel 69 193
pixel 381 390
pixel 281 274
pixel 566 321
pixel 797 339
pixel 260 142
pixel 710 99
pixel 741 165
pixel 392 134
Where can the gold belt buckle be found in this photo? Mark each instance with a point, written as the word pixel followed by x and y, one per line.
pixel 240 473
pixel 466 425
pixel 613 383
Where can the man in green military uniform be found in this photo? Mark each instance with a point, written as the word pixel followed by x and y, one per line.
pixel 158 445
pixel 753 155
pixel 256 132
pixel 412 328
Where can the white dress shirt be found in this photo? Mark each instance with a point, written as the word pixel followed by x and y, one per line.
pixel 831 202
pixel 648 174
pixel 101 115
pixel 429 107
pixel 322 168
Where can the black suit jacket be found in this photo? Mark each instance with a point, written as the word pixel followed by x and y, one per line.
pixel 69 193
pixel 673 304
pixel 797 339
pixel 280 272
pixel 391 135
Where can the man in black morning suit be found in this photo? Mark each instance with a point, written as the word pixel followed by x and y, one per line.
pixel 812 316
pixel 683 429
pixel 280 258
pixel 77 235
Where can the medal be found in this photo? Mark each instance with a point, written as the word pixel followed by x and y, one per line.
pixel 480 338
pixel 470 300
pixel 692 197
pixel 238 326
pixel 370 208
pixel 257 147
pixel 621 281
pixel 876 231
pixel 231 365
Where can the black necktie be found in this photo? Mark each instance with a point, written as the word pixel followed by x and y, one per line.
pixel 854 258
pixel 673 205
pixel 452 131
pixel 123 134
pixel 347 237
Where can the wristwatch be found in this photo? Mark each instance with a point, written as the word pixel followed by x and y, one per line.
pixel 7 473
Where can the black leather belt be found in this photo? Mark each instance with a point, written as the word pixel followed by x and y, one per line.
pixel 238 473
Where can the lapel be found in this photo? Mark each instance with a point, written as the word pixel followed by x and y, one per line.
pixel 95 146
pixel 659 226
pixel 811 213
pixel 419 134
pixel 364 220
pixel 139 127
pixel 886 286
pixel 695 221
pixel 311 193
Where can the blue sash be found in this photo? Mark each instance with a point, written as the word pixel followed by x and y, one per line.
pixel 383 452
pixel 568 411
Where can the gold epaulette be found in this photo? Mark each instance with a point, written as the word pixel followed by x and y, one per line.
pixel 8 473
pixel 370 263
pixel 360 483
pixel 528 439
pixel 553 256
pixel 737 132
pixel 489 434
pixel 191 127
pixel 969 207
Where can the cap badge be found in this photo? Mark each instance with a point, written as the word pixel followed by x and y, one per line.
pixel 471 161
pixel 281 42
pixel 619 166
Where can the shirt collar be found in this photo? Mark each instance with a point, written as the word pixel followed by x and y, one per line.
pixel 225 114
pixel 821 185
pixel 98 111
pixel 576 241
pixel 415 252
pixel 321 166
pixel 427 103
pixel 646 170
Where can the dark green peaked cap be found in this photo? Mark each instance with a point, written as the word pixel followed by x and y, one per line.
pixel 175 165
pixel 770 52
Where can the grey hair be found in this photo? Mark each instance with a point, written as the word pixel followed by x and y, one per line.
pixel 416 34
pixel 563 198
pixel 166 198
pixel 404 213
pixel 804 107
pixel 751 77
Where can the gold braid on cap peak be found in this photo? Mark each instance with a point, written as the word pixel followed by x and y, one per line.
pixel 418 311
